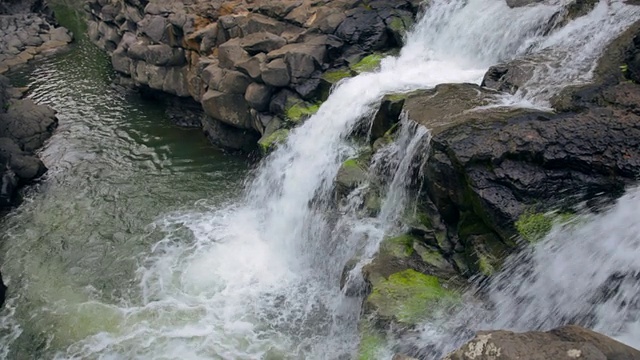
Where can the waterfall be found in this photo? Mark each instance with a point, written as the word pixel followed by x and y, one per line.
pixel 260 277
pixel 584 272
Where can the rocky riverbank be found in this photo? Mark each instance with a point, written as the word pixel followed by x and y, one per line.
pixel 257 68
pixel 28 30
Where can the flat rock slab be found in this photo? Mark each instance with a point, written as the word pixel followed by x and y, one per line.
pixel 565 343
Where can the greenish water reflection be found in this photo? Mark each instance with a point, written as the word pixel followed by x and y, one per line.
pixel 117 164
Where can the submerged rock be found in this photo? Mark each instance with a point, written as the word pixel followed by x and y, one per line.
pixel 568 342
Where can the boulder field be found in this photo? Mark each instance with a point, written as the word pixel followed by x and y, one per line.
pixel 28 30
pixel 256 67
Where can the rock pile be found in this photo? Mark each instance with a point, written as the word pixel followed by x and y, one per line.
pixel 26 32
pixel 256 67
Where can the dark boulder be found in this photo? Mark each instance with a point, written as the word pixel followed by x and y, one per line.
pixel 365 28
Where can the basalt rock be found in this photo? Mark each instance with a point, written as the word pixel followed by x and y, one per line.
pixel 235 56
pixel 24 126
pixel 28 30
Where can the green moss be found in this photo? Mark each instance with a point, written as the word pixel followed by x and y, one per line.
pixel 367 63
pixel 333 76
pixel 398 246
pixel 372 343
pixel 485 265
pixel 409 296
pixel 301 111
pixel 351 164
pixel 269 142
pixel 397 25
pixel 70 15
pixel 432 257
pixel 533 227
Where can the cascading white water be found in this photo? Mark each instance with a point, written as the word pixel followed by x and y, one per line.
pixel 584 272
pixel 260 278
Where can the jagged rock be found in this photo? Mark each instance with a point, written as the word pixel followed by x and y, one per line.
pixel 283 100
pixel 568 342
pixel 232 82
pixel 181 47
pixel 261 42
pixel 121 61
pixel 231 53
pixel 24 126
pixel 363 27
pixel 276 73
pixel 260 23
pixel 154 27
pixel 176 82
pixel 204 39
pixel 254 67
pixel 278 9
pixel 164 55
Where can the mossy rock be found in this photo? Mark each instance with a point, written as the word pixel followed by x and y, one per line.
pixel 372 342
pixel 409 297
pixel 532 227
pixel 300 111
pixel 399 246
pixel 372 203
pixel 269 142
pixel 367 64
pixel 334 75
pixel 433 257
pixel 485 253
pixel 352 173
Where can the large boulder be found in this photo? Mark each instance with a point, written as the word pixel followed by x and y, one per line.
pixel 231 109
pixel 27 124
pixel 568 342
pixel 24 126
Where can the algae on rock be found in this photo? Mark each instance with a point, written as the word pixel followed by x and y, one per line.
pixel 269 142
pixel 409 296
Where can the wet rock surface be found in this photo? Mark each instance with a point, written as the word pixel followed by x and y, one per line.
pixel 239 57
pixel 24 127
pixel 492 177
pixel 569 342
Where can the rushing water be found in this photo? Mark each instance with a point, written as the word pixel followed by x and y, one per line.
pixel 114 258
pixel 116 165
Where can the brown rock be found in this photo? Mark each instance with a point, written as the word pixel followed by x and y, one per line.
pixel 569 342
